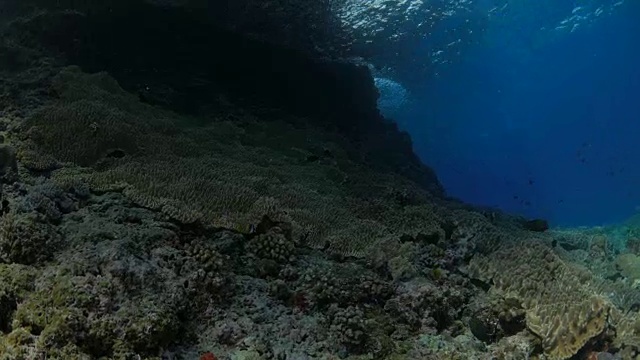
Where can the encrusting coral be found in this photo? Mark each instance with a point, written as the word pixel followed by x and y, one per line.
pixel 561 301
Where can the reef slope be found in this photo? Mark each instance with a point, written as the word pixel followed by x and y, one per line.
pixel 246 226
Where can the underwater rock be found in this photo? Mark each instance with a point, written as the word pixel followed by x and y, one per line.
pixel 485 326
pixel 536 225
pixel 173 239
pixel 520 346
pixel 337 95
pixel 342 285
pixel 7 159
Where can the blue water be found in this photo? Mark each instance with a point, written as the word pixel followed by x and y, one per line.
pixel 545 128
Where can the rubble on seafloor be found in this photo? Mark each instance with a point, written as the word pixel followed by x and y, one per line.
pixel 130 231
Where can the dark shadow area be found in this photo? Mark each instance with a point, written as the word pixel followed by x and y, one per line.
pixel 179 59
pixel 149 48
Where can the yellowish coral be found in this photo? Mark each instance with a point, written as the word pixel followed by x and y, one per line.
pixel 558 299
pixel 565 327
pixel 629 266
pixel 627 326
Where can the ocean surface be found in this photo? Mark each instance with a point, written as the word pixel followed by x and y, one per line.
pixel 540 116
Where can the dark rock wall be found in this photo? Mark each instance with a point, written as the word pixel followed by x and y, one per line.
pixel 179 59
pixel 311 26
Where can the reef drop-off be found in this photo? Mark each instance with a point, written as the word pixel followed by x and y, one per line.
pixel 215 196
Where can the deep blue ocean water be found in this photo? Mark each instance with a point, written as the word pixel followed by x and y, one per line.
pixel 543 127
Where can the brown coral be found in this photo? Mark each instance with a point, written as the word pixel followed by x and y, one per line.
pixel 559 304
pixel 273 245
pixel 26 239
pixel 223 174
pixel 629 267
pixel 566 327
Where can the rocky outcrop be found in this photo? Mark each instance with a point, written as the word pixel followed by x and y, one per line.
pixel 183 61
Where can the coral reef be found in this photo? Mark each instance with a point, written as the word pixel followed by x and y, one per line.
pixel 130 231
pixel 333 95
pixel 26 239
pixel 348 326
pixel 273 245
pixel 564 304
pixel 629 266
pixel 550 292
pixel 160 164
